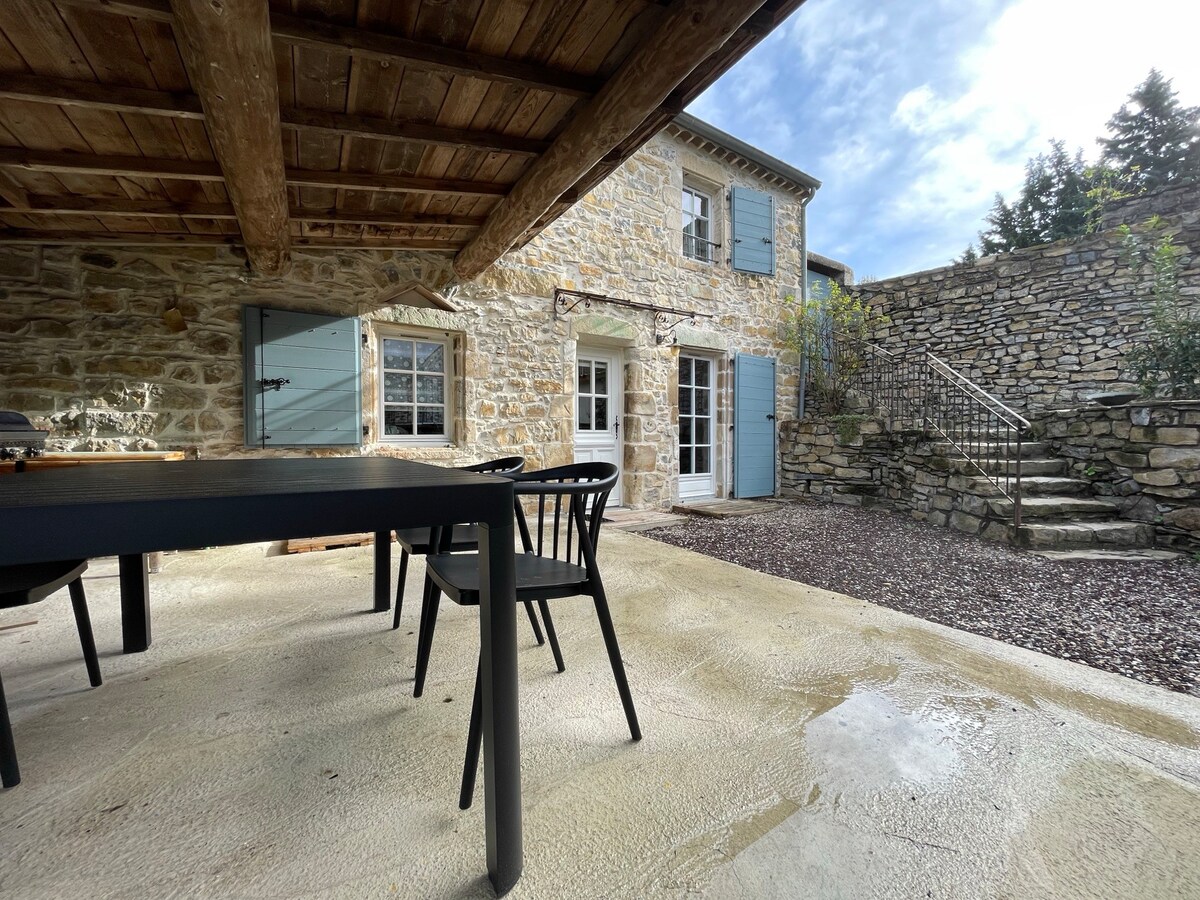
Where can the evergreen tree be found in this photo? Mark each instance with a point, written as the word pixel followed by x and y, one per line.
pixel 1053 204
pixel 1154 141
pixel 968 257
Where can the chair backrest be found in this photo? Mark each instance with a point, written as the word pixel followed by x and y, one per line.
pixel 505 467
pixel 579 492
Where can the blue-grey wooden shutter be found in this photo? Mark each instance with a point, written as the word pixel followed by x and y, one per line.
pixel 316 361
pixel 753 426
pixel 753 217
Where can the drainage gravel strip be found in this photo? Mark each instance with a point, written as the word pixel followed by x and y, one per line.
pixel 1138 619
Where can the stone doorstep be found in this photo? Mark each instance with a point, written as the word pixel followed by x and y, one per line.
pixel 724 509
pixel 635 520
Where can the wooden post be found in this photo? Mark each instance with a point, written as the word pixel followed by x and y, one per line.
pixel 690 31
pixel 226 48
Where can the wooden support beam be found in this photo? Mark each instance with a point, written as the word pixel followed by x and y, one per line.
pixel 44 204
pixel 389 48
pixel 195 170
pixel 226 49
pixel 90 94
pixel 688 33
pixel 155 238
pixel 12 193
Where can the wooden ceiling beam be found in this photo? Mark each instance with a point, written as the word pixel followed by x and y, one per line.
pixel 22 236
pixel 43 204
pixel 687 35
pixel 394 184
pixel 90 94
pixel 230 61
pixel 366 44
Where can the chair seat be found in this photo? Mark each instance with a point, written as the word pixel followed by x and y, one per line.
pixel 537 577
pixel 416 540
pixel 21 585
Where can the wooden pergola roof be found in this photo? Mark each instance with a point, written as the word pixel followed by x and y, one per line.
pixel 463 126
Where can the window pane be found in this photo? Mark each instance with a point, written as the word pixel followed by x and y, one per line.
pixel 702 426
pixel 397 388
pixel 701 206
pixel 685 460
pixel 397 354
pixel 601 413
pixel 430 389
pixel 703 461
pixel 430 420
pixel 397 421
pixel 685 401
pixel 702 403
pixel 685 370
pixel 585 413
pixel 601 377
pixel 685 429
pixel 431 357
pixel 703 370
pixel 585 378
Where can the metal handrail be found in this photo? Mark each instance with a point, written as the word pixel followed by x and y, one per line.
pixel 917 386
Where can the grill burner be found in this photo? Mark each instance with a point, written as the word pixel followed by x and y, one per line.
pixel 18 438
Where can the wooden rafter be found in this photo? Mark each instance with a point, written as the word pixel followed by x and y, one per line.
pixel 154 238
pixel 197 170
pixel 686 36
pixel 42 204
pixel 91 95
pixel 365 44
pixel 226 49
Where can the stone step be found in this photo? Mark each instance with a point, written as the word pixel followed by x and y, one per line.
pixel 1108 535
pixel 998 449
pixel 1009 466
pixel 1110 555
pixel 1031 485
pixel 1054 507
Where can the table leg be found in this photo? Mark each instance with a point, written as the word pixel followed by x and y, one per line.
pixel 135 602
pixel 383 571
pixel 501 722
pixel 10 772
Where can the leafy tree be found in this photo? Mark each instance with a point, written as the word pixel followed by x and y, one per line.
pixel 1154 141
pixel 968 257
pixel 1167 361
pixel 1053 204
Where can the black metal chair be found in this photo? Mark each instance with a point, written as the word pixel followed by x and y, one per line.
pixel 562 566
pixel 20 586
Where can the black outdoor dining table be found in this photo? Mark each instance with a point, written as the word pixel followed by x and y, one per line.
pixel 129 509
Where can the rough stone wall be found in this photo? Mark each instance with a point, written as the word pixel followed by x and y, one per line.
pixel 1147 457
pixel 902 470
pixel 84 346
pixel 1039 327
pixel 1170 202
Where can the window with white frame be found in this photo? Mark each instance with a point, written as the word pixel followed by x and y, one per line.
pixel 414 388
pixel 697 224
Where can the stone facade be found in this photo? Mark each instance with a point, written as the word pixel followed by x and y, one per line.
pixel 1043 326
pixel 86 350
pixel 1146 457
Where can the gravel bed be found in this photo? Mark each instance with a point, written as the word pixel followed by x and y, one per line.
pixel 1139 619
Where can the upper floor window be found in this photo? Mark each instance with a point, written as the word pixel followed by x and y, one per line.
pixel 414 397
pixel 697 225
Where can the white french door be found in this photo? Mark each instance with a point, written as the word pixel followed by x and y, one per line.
pixel 599 395
pixel 697 427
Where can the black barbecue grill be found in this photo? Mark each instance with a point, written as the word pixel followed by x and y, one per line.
pixel 18 438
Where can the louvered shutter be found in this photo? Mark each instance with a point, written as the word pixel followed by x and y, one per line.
pixel 753 216
pixel 303 379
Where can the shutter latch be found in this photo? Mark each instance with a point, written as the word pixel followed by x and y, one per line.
pixel 273 384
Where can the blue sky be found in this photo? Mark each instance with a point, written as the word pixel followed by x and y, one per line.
pixel 914 114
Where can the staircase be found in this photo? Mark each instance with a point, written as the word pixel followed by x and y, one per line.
pixel 1058 513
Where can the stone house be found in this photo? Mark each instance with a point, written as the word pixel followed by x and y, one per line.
pixel 641 327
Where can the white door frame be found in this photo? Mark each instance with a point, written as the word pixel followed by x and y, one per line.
pixel 693 486
pixel 594 443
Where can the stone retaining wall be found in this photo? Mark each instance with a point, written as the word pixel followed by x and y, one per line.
pixel 902 470
pixel 1147 457
pixel 1043 326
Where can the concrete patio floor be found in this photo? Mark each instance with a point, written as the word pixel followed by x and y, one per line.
pixel 798 744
